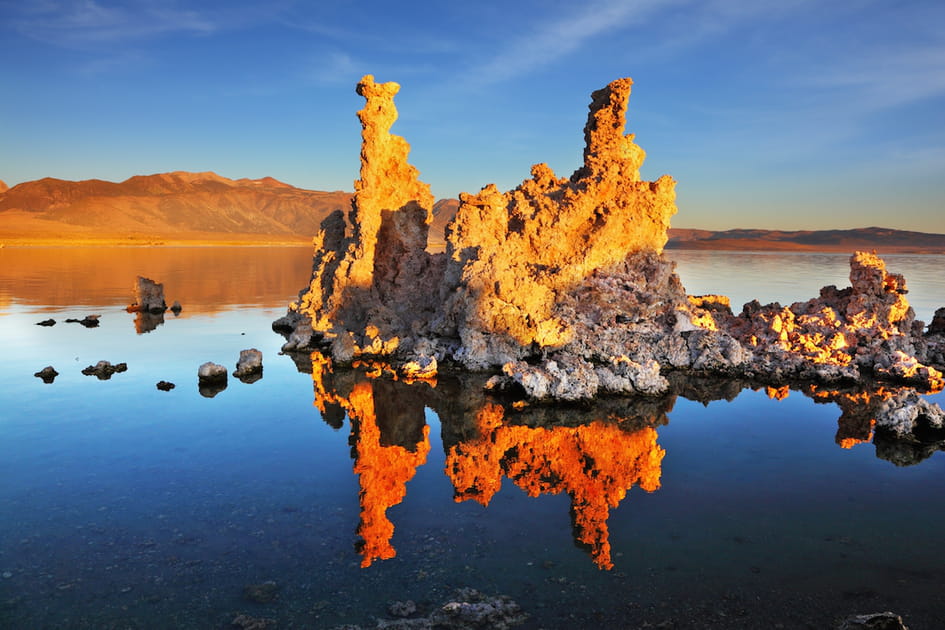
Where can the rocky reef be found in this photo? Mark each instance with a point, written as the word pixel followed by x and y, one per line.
pixel 561 289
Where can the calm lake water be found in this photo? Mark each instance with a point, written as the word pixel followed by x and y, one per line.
pixel 122 506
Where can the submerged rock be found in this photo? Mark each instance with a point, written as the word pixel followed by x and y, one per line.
pixel 468 609
pixel 48 374
pixel 47 322
pixel 263 593
pixel 561 286
pixel 246 622
pixel 165 386
pixel 103 370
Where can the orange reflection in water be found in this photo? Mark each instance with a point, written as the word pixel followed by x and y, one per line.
pixel 203 279
pixel 383 469
pixel 383 472
pixel 596 464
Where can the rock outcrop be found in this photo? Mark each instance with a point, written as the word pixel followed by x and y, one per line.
pixel 149 297
pixel 249 366
pixel 561 286
pixel 48 374
pixel 103 370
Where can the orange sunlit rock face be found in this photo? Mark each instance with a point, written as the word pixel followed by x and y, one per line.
pixel 596 464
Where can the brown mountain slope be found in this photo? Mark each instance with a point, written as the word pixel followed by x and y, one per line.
pixel 175 206
pixel 883 240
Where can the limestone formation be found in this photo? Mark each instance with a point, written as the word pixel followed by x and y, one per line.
pixel 249 367
pixel 103 370
pixel 149 297
pixel 211 379
pixel 48 374
pixel 560 286
pixel 89 321
pixel 210 372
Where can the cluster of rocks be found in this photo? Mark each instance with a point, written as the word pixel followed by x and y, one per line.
pixel 561 287
pixel 89 321
pixel 103 370
pixel 468 609
pixel 212 377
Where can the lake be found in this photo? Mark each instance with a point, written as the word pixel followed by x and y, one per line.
pixel 122 506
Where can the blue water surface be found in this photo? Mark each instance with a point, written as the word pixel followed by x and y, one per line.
pixel 122 506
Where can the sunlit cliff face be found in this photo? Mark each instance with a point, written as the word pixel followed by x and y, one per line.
pixel 594 464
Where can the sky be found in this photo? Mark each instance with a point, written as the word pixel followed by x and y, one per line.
pixel 787 114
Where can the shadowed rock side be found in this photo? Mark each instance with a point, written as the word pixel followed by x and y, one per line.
pixel 594 452
pixel 561 285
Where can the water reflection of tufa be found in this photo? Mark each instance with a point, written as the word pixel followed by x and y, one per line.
pixel 595 456
pixel 595 452
pixel 595 464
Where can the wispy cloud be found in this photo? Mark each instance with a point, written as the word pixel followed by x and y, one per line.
pixel 87 23
pixel 886 77
pixel 550 40
pixel 335 67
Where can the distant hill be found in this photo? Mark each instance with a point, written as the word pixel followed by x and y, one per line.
pixel 883 240
pixel 182 207
pixel 176 207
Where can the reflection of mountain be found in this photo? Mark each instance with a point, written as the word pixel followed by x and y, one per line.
pixel 595 453
pixel 596 464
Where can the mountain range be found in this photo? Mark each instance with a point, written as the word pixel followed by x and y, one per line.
pixel 190 208
pixel 167 207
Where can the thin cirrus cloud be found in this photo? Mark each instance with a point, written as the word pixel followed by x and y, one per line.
pixel 553 39
pixel 86 23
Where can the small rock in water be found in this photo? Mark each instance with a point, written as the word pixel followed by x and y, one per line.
pixel 48 374
pixel 165 386
pixel 249 367
pixel 211 372
pixel 103 370
pixel 89 321
pixel 176 308
pixel 211 379
pixel 261 593
pixel 46 322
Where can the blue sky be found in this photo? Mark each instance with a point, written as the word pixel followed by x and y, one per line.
pixel 792 114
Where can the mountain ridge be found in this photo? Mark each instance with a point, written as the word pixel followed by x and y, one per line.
pixel 204 207
pixel 178 206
